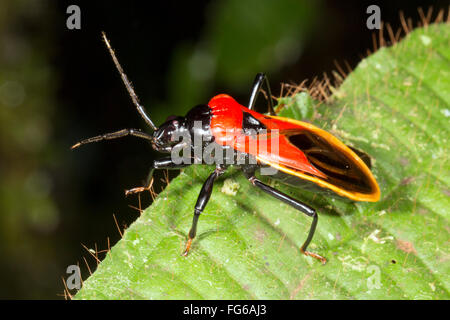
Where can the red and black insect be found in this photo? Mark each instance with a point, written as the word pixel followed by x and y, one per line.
pixel 306 157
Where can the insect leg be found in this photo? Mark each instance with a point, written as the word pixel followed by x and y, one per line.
pixel 297 205
pixel 202 200
pixel 115 135
pixel 164 163
pixel 261 79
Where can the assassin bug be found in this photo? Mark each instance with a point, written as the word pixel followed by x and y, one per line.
pixel 307 156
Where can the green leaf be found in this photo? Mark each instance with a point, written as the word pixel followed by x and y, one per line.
pixel 300 106
pixel 395 107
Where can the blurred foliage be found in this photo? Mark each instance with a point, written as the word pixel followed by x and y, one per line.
pixel 28 210
pixel 239 39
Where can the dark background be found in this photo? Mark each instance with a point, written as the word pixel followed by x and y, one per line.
pixel 58 86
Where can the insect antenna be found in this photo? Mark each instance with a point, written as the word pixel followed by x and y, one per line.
pixel 128 85
pixel 114 135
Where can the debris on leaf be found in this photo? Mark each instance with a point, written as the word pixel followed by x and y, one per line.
pixel 230 187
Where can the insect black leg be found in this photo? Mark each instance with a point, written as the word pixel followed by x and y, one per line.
pixel 115 135
pixel 165 163
pixel 297 205
pixel 202 200
pixel 261 79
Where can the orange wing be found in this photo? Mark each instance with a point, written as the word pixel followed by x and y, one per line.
pixel 312 154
